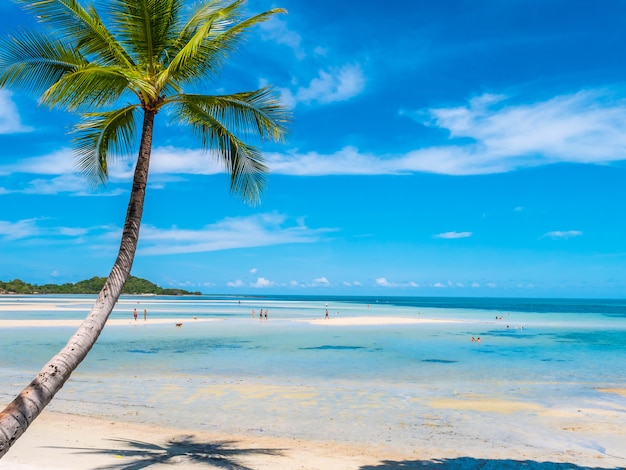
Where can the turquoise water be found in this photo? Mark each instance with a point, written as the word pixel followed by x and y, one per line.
pixel 376 383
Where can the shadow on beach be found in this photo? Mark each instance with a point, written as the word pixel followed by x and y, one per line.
pixel 183 450
pixel 469 463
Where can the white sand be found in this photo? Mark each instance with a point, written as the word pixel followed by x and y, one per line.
pixel 70 442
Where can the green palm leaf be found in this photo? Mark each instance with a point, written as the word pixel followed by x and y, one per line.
pixel 81 26
pixel 256 114
pixel 35 62
pixel 101 135
pixel 243 162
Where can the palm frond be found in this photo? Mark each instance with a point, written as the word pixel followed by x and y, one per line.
pixel 255 114
pixel 216 33
pixel 147 28
pixel 81 26
pixel 35 62
pixel 209 12
pixel 101 136
pixel 243 162
pixel 88 87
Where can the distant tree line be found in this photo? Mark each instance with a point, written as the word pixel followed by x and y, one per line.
pixel 134 285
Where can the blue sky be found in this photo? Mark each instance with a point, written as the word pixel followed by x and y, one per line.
pixel 452 148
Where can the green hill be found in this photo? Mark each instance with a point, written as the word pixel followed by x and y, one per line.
pixel 134 285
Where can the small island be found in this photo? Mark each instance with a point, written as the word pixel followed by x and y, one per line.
pixel 134 286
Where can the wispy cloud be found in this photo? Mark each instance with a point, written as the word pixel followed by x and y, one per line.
pixel 18 230
pixel 558 234
pixel 489 134
pixel 383 282
pixel 331 85
pixel 277 30
pixel 452 235
pixel 321 281
pixel 245 232
pixel 36 228
pixel 585 127
pixel 10 122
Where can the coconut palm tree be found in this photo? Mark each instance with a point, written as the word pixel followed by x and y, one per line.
pixel 130 62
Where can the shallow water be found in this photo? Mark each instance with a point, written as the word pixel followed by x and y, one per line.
pixel 543 366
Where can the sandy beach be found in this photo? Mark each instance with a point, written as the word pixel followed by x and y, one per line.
pixel 69 442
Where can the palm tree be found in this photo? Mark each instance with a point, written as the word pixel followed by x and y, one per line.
pixel 142 53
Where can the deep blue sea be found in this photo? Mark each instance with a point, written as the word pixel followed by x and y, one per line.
pixel 540 364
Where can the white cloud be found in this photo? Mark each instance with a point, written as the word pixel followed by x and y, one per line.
pixel 10 122
pixel 584 127
pixel 347 161
pixel 452 235
pixel 557 234
pixel 19 230
pixel 475 284
pixel 253 271
pixel 244 232
pixel 330 86
pixel 277 30
pixel 383 282
pixel 262 282
pixel 70 183
pixel 322 281
pixel 56 163
pixel 498 136
pixel 439 285
pixel 34 228
pixel 237 283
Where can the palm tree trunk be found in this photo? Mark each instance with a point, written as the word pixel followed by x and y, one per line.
pixel 22 411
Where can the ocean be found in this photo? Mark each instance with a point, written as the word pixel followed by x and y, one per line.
pixel 542 368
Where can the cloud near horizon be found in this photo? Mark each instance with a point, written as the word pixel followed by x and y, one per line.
pixel 453 235
pixel 558 234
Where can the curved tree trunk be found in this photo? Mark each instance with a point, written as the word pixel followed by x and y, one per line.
pixel 22 411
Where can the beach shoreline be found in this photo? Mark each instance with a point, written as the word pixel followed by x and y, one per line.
pixel 369 388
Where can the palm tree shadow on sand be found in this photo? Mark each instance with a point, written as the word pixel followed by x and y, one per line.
pixel 469 463
pixel 138 455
